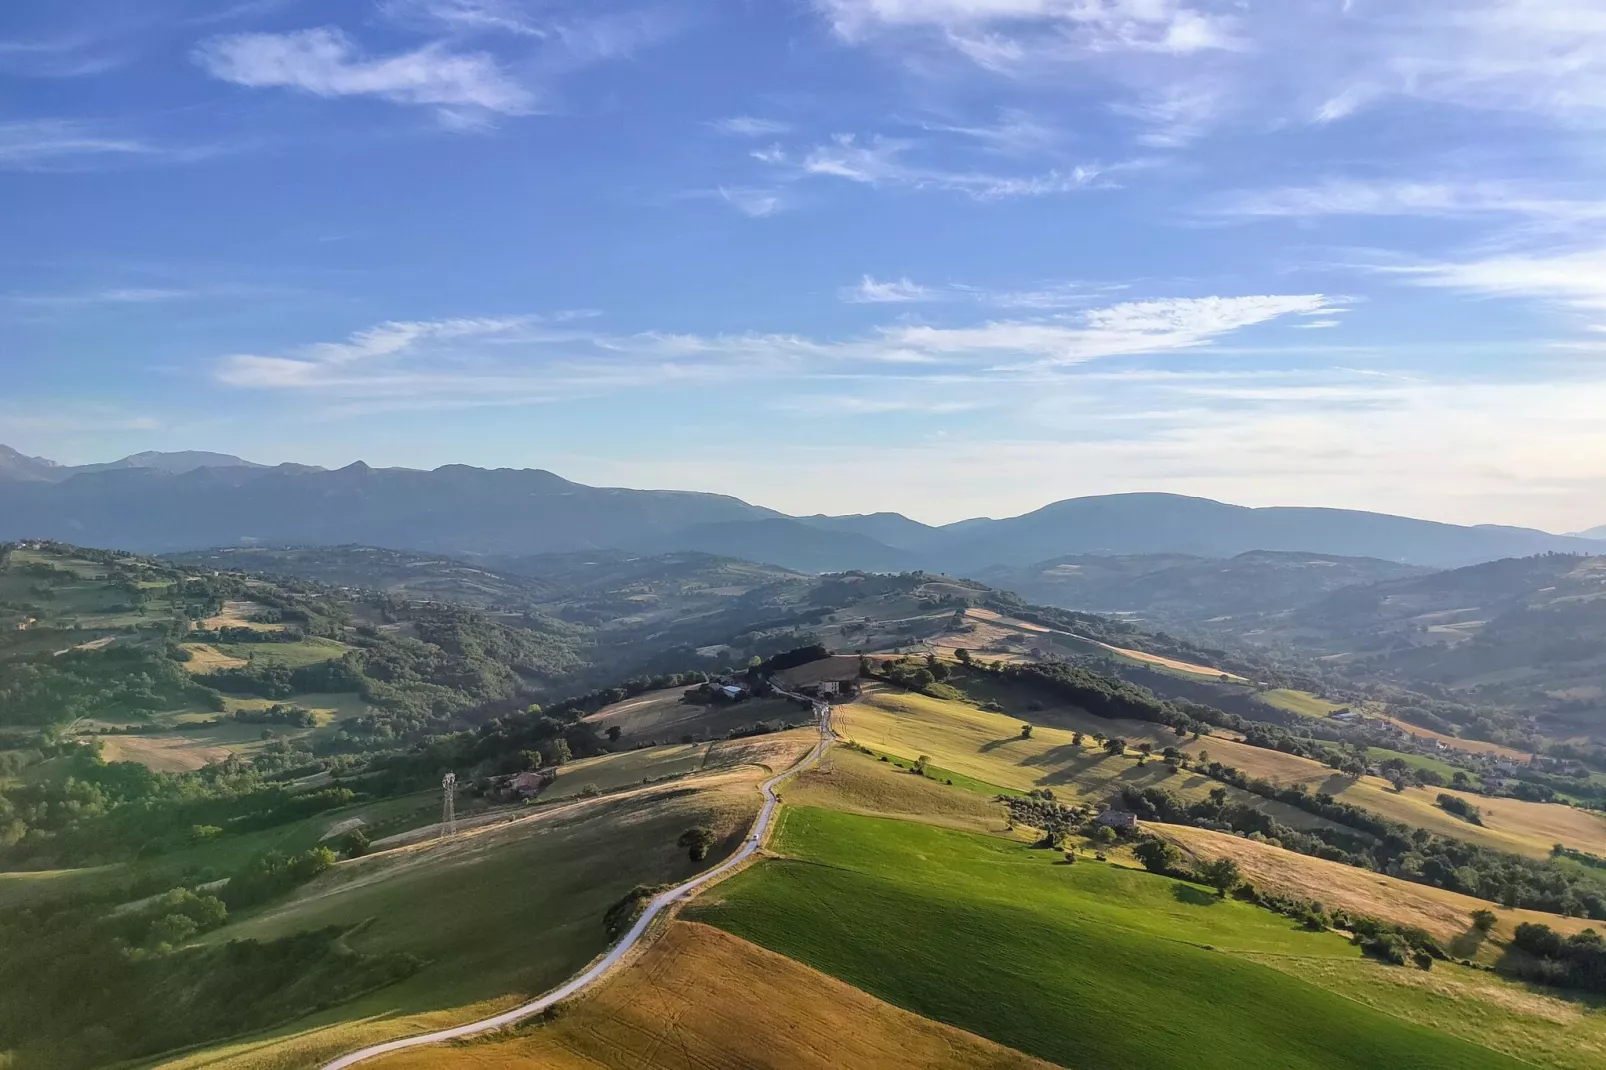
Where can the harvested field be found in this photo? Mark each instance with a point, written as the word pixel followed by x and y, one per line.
pixel 238 614
pixel 176 753
pixel 730 1005
pixel 1472 746
pixel 1447 915
pixel 987 746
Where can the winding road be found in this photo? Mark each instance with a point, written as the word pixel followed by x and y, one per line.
pixel 599 969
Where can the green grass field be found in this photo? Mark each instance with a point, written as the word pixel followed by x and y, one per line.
pixel 1087 965
pixel 297 655
pixel 1303 703
pixel 498 915
pixel 1421 761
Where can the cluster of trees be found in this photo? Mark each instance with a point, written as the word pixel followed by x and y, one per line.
pixel 278 713
pixel 271 875
pixel 1576 961
pixel 1454 804
pixel 98 812
pixel 47 690
pixel 1039 810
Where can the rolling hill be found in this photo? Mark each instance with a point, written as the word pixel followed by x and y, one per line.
pixel 1196 592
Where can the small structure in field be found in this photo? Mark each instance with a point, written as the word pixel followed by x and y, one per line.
pixel 528 784
pixel 835 676
pixel 1119 820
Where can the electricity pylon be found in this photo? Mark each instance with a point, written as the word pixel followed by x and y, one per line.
pixel 448 805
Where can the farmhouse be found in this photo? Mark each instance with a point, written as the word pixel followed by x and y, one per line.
pixel 837 675
pixel 1119 820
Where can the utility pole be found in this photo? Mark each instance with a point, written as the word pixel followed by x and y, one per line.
pixel 448 805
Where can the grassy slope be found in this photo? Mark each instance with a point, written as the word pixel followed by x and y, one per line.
pixel 1303 703
pixel 903 722
pixel 701 997
pixel 1087 965
pixel 500 914
pixel 661 716
pixel 856 783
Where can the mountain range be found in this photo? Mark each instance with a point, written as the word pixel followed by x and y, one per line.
pixel 164 502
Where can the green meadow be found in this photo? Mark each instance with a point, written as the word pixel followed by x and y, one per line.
pixel 1088 965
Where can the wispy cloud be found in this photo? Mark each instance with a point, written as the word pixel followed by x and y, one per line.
pixel 750 126
pixel 45 144
pixel 1574 279
pixel 871 292
pixel 752 201
pixel 504 359
pixel 1397 197
pixel 328 63
pixel 996 26
pixel 884 162
pixel 122 296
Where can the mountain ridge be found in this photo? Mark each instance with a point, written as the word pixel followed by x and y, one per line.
pixel 170 502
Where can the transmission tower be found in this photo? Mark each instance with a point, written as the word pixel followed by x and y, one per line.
pixel 448 805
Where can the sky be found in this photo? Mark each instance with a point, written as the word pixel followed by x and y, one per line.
pixel 946 257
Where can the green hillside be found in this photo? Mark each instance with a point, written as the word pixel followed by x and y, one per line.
pixel 1084 965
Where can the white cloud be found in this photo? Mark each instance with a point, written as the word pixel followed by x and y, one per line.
pixel 994 25
pixel 870 292
pixel 749 126
pixel 1319 325
pixel 500 360
pixel 327 63
pixel 1396 197
pixel 1119 330
pixel 1575 279
pixel 882 162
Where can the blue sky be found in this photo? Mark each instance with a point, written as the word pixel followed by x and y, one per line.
pixel 950 257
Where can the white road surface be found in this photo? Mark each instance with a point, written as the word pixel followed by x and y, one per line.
pixel 599 969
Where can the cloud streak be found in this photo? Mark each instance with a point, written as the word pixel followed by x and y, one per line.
pixel 327 63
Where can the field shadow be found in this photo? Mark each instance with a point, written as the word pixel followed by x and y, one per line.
pixel 993 744
pixel 1194 897
pixel 1468 944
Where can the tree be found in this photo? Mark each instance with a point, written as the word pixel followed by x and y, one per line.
pixel 558 752
pixel 1223 875
pixel 919 768
pixel 1145 748
pixel 170 930
pixel 355 845
pixel 1460 780
pixel 1115 747
pixel 614 732
pixel 1104 834
pixel 962 656
pixel 1076 739
pixel 1157 856
pixel 1484 920
pixel 1026 731
pixel 697 840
